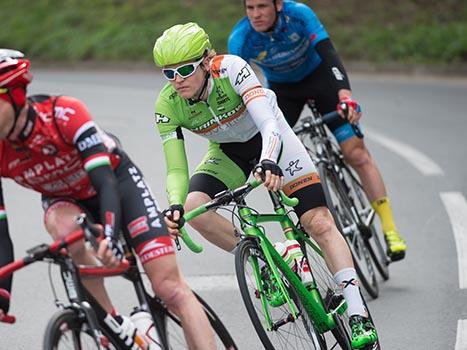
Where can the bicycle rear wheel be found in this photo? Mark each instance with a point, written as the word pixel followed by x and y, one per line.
pixel 286 332
pixel 373 236
pixel 340 206
pixel 66 330
pixel 172 327
pixel 331 294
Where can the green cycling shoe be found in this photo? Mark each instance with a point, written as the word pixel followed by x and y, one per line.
pixel 364 334
pixel 396 246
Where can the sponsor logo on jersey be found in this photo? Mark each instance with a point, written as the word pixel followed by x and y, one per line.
pixel 161 119
pixel 49 150
pixel 168 136
pixel 294 37
pixel 194 113
pixel 244 73
pixel 223 118
pixel 156 248
pixel 64 113
pixel 150 203
pixel 212 160
pixel 64 164
pixel 252 94
pixel 337 73
pixel 301 182
pixel 138 226
pixel 109 223
pixel 262 55
pixel 55 186
pixel 221 97
pixel 89 142
pixel 293 167
pixel 53 174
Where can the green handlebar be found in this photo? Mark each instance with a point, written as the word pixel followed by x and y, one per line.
pixel 291 202
pixel 194 247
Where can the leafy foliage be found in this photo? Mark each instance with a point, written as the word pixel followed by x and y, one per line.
pixel 408 31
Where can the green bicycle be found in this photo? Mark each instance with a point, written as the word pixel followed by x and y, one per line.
pixel 284 313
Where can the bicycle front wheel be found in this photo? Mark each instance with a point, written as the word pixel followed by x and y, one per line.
pixel 66 330
pixel 171 326
pixel 263 303
pixel 340 206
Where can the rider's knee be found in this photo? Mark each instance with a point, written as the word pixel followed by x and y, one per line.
pixel 174 292
pixel 60 221
pixel 318 222
pixel 358 156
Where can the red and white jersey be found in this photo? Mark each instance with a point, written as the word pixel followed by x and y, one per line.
pixel 46 157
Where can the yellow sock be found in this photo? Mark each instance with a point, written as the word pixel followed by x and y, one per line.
pixel 382 206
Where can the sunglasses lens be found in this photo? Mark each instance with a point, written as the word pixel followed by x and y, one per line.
pixel 186 70
pixel 169 73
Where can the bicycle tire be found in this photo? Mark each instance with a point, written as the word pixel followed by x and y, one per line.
pixel 172 327
pixel 374 236
pixel 66 327
pixel 331 294
pixel 295 335
pixel 338 203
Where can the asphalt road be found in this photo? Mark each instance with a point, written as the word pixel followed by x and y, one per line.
pixel 420 305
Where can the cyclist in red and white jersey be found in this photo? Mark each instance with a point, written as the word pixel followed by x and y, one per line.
pixel 51 145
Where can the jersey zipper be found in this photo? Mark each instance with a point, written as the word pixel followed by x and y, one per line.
pixel 214 115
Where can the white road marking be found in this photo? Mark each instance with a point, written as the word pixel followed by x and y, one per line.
pixel 456 207
pixel 419 160
pixel 461 340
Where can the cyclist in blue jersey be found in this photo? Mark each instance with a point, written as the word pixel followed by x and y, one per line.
pixel 291 46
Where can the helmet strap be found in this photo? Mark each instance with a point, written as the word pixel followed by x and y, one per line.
pixel 202 90
pixel 17 109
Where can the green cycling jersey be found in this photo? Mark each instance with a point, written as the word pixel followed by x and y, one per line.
pixel 236 109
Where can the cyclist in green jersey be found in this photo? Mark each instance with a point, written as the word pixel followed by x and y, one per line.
pixel 220 98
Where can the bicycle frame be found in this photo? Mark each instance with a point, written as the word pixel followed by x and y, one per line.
pixel 249 221
pixel 331 156
pixel 79 299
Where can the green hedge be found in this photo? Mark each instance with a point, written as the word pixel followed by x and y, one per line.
pixel 417 31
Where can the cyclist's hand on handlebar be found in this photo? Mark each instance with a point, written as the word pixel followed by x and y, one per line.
pixel 173 217
pixel 110 252
pixel 349 109
pixel 270 173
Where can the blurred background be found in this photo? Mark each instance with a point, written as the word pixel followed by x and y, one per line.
pixel 379 32
pixel 415 125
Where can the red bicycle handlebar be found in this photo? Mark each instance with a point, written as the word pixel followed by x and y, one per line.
pixel 7 270
pixel 57 245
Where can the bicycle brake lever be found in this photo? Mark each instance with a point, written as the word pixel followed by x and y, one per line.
pixel 91 232
pixel 177 244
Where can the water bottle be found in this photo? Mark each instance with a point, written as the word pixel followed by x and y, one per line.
pixel 281 248
pixel 145 326
pixel 298 261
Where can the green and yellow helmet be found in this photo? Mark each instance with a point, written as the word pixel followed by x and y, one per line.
pixel 182 42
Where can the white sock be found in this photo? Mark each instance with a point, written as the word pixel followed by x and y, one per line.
pixel 347 279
